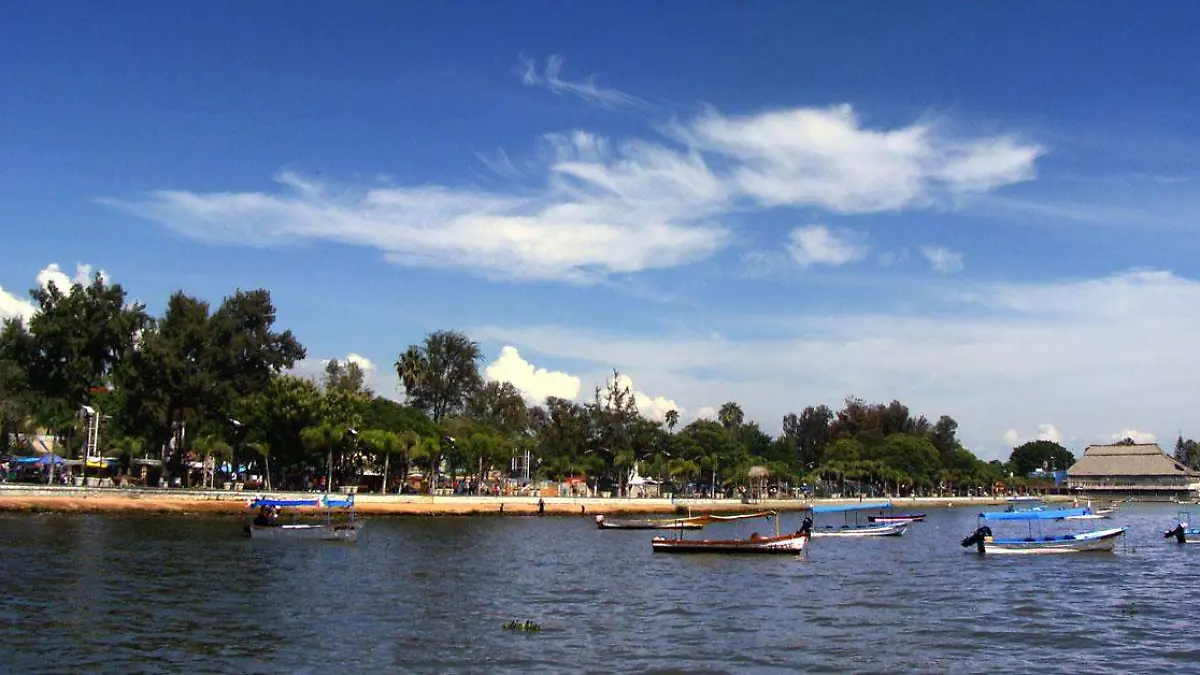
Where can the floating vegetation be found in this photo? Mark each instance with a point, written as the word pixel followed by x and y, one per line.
pixel 526 625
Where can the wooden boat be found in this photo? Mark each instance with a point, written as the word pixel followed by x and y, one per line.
pixel 754 544
pixel 872 529
pixel 1035 542
pixel 689 523
pixel 898 518
pixel 327 528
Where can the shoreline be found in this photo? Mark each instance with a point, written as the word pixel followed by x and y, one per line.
pixel 47 499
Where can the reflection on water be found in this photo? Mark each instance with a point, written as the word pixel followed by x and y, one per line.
pixel 86 593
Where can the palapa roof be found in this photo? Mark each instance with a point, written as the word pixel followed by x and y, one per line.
pixel 1143 459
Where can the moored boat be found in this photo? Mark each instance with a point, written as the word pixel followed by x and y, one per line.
pixel 267 524
pixel 898 518
pixel 1081 542
pixel 754 544
pixel 1183 532
pixel 871 529
pixel 689 523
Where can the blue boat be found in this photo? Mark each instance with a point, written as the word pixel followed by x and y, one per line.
pixel 871 529
pixel 1183 532
pixel 267 524
pixel 1037 542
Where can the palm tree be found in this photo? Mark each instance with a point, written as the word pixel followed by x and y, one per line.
pixel 384 443
pixel 324 437
pixel 731 415
pixel 214 447
pixel 264 451
pixel 672 419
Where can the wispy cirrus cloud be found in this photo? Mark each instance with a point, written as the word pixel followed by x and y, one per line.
pixel 942 259
pixel 551 79
pixel 818 245
pixel 596 207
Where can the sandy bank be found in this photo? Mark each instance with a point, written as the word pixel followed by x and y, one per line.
pixel 22 498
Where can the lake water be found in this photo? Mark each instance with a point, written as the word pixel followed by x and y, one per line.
pixel 113 594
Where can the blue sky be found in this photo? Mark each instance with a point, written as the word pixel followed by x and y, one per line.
pixel 986 211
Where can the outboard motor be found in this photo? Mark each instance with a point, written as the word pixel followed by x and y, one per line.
pixel 1178 533
pixel 977 538
pixel 806 527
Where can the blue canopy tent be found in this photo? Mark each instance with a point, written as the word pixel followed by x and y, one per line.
pixel 44 460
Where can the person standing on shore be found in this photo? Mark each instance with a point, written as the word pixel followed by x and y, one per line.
pixel 541 506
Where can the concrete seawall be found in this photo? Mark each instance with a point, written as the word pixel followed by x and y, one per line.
pixel 35 498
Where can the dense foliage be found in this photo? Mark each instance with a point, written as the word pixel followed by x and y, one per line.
pixel 197 383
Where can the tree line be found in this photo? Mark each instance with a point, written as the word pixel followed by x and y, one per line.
pixel 204 381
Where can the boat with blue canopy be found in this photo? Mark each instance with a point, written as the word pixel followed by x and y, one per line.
pixel 857 529
pixel 1036 541
pixel 329 518
pixel 1183 532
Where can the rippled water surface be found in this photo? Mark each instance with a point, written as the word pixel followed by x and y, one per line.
pixel 111 594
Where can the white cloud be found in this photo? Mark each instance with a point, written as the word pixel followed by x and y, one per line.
pixel 825 157
pixel 1082 353
pixel 535 383
pixel 364 364
pixel 587 89
pixel 601 207
pixel 942 259
pixel 652 407
pixel 707 412
pixel 1137 436
pixel 817 245
pixel 1045 432
pixel 13 306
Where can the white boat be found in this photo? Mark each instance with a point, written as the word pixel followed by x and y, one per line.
pixel 689 523
pixel 267 524
pixel 1035 542
pixel 754 544
pixel 872 529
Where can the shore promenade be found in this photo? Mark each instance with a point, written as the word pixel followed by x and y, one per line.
pixel 41 498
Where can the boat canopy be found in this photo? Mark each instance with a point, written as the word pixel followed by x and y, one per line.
pixel 841 508
pixel 1050 514
pixel 324 501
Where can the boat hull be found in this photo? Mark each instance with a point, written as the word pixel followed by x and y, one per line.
pixel 904 518
pixel 647 524
pixel 318 532
pixel 788 543
pixel 880 530
pixel 1086 542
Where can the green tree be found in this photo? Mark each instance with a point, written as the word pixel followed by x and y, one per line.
pixel 731 415
pixel 1038 454
pixel 672 419
pixel 442 374
pixel 383 444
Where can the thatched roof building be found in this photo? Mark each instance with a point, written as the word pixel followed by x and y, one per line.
pixel 1138 468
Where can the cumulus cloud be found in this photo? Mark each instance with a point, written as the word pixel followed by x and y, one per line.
pixel 536 384
pixel 1045 432
pixel 551 78
pixel 364 364
pixel 1137 436
pixel 706 412
pixel 826 157
pixel 817 245
pixel 942 259
pixel 14 306
pixel 1080 352
pixel 652 407
pixel 597 207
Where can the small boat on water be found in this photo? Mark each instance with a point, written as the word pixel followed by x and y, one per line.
pixel 1036 542
pixel 898 518
pixel 689 523
pixel 754 544
pixel 873 528
pixel 1183 532
pixel 327 527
